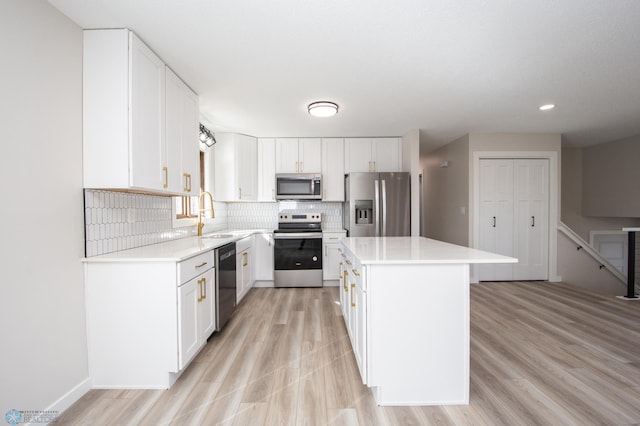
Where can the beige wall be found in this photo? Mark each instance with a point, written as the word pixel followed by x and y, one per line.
pixel 446 193
pixel 572 194
pixel 611 179
pixel 44 354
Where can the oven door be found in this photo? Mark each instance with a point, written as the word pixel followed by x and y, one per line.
pixel 296 251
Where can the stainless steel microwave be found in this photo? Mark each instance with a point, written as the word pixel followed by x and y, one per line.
pixel 298 186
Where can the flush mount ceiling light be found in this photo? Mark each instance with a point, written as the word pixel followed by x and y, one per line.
pixel 323 109
pixel 206 137
pixel 546 107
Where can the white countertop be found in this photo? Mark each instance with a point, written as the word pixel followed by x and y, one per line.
pixel 174 250
pixel 631 229
pixel 417 250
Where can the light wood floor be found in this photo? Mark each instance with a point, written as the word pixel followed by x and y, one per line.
pixel 540 354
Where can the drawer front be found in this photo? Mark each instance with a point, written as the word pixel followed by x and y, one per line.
pixel 194 266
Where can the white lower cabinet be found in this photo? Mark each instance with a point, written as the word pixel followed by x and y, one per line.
pixel 147 320
pixel 196 316
pixel 331 254
pixel 263 249
pixel 244 267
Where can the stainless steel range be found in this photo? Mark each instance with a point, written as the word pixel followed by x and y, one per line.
pixel 298 250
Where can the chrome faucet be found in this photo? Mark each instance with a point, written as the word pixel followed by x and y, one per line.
pixel 201 209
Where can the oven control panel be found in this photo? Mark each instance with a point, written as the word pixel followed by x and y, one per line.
pixel 289 217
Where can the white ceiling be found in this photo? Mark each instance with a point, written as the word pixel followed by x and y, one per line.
pixel 445 67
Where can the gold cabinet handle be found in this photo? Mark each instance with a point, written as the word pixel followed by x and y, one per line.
pixel 165 170
pixel 186 182
pixel 273 194
pixel 355 273
pixel 245 258
pixel 239 193
pixel 201 265
pixel 374 166
pixel 204 288
pixel 353 303
pixel 344 282
pixel 301 166
pixel 348 262
pixel 200 290
pixel 340 269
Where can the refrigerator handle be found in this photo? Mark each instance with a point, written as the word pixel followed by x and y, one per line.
pixel 376 202
pixel 384 208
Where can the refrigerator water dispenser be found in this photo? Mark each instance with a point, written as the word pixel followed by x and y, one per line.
pixel 364 212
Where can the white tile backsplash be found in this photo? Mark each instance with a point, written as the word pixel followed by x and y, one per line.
pixel 265 215
pixel 117 221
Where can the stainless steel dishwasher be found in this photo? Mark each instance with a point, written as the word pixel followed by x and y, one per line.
pixel 225 284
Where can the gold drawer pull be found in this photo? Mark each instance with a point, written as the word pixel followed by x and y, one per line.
pixel 201 265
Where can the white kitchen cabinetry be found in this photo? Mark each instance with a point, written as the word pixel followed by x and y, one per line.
pixel 196 320
pixel 263 245
pixel 244 267
pixel 266 169
pixel 372 155
pixel 182 127
pixel 357 317
pixel 333 169
pixel 235 167
pixel 298 155
pixel 331 254
pixel 147 320
pixel 125 144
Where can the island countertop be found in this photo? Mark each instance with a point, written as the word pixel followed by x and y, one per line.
pixel 417 250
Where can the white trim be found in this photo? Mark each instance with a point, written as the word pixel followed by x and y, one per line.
pixel 554 194
pixel 71 397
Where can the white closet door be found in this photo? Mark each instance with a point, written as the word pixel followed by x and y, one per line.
pixel 496 216
pixel 531 218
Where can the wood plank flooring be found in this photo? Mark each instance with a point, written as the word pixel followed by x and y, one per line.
pixel 541 354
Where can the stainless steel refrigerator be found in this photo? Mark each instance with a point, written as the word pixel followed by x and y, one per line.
pixel 377 205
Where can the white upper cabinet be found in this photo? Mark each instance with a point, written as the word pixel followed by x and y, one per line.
pixel 235 167
pixel 333 169
pixel 301 155
pixel 182 127
pixel 266 169
pixel 372 155
pixel 124 116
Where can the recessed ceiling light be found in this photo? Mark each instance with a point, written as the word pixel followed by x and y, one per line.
pixel 323 109
pixel 546 107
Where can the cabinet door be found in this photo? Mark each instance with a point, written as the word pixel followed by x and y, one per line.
pixel 309 155
pixel 287 155
pixel 357 155
pixel 333 169
pixel 182 173
pixel 359 323
pixel 266 169
pixel 385 154
pixel 146 116
pixel 188 333
pixel 189 141
pixel 344 289
pixel 263 244
pixel 247 162
pixel 207 305
pixel 171 159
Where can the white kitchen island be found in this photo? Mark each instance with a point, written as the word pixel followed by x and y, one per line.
pixel 405 302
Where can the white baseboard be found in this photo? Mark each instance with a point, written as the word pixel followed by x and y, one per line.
pixel 263 284
pixel 71 397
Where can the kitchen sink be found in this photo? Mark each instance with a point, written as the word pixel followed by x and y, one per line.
pixel 218 236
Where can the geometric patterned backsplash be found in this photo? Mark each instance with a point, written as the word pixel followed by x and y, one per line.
pixel 116 221
pixel 247 215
